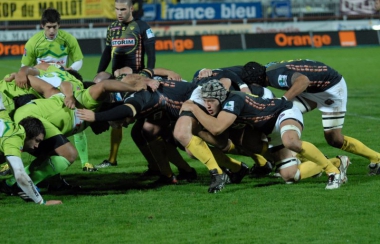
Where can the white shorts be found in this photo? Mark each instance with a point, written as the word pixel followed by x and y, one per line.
pixel 333 99
pixel 196 96
pixel 293 113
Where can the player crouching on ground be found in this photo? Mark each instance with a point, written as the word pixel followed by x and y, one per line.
pixel 277 118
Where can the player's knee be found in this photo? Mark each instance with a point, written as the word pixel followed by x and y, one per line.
pixel 290 135
pixel 288 169
pixel 69 152
pixel 334 139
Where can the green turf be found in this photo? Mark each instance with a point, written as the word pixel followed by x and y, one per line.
pixel 116 206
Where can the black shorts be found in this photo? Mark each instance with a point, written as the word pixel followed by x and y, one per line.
pixel 48 146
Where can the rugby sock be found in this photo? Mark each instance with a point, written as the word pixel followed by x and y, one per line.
pixel 309 169
pixel 231 148
pixel 335 161
pixel 158 149
pixel 259 159
pixel 355 146
pixel 50 167
pixel 176 158
pixel 145 151
pixel 225 161
pixel 116 137
pixel 80 140
pixel 199 149
pixel 312 153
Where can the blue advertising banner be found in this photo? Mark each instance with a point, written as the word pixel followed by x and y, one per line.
pixel 206 11
pixel 281 8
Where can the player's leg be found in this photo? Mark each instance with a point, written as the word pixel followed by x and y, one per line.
pixel 289 127
pixel 142 145
pixel 195 146
pixel 53 156
pixel 116 137
pixel 335 138
pixel 80 140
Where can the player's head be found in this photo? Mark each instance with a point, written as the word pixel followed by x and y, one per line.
pixel 147 73
pixel 254 72
pixel 124 9
pixel 50 21
pixel 214 89
pixel 213 94
pixel 75 73
pixel 34 133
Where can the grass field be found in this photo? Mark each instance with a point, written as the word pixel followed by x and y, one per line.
pixel 116 206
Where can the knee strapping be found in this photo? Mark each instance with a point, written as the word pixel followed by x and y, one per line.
pixel 287 162
pixel 332 121
pixel 290 127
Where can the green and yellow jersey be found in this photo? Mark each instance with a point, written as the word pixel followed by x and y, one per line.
pixel 63 50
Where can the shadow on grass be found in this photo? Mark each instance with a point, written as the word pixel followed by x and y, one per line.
pixel 115 183
pixel 122 182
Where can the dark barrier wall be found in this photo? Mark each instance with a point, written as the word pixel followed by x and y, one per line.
pixel 231 42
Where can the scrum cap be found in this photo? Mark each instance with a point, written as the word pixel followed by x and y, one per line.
pixel 254 73
pixel 214 89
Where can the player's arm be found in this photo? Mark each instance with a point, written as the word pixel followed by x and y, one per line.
pixel 149 42
pixel 137 82
pixel 42 87
pixel 25 183
pixel 117 113
pixel 203 73
pixel 168 73
pixel 67 89
pixel 215 125
pixel 21 77
pixel 29 57
pixel 105 59
pixel 299 84
pixel 237 80
pixel 75 53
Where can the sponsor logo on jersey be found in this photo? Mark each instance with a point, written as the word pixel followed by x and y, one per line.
pixel 123 42
pixel 282 80
pixel 229 106
pixel 116 28
pixel 149 33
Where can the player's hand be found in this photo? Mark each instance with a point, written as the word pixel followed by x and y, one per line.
pixel 246 90
pixel 187 106
pixel 153 84
pixel 53 202
pixel 21 80
pixel 205 73
pixel 10 77
pixel 70 102
pixel 86 115
pixel 174 76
